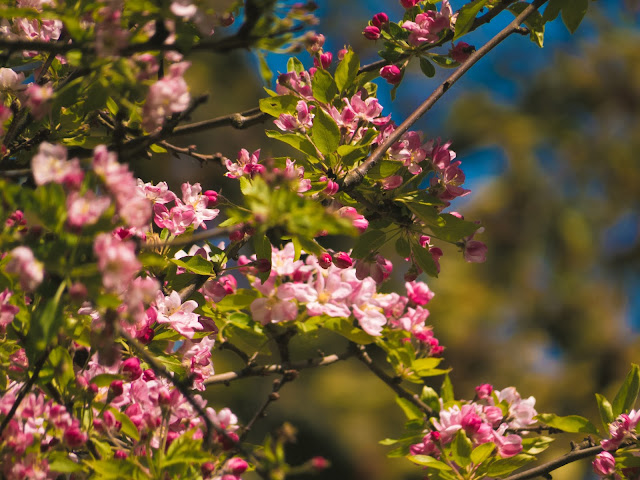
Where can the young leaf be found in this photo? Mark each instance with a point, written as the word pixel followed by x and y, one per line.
pixel 325 132
pixel 274 106
pixel 323 86
pixel 423 258
pixel 482 452
pixel 410 410
pixel 446 390
pixel 368 242
pixel 504 466
pixel 347 70
pixel 628 393
pixel 427 461
pixel 606 411
pixel 461 449
pixel 570 423
pixel 466 17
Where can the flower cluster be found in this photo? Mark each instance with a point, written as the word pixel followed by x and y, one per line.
pixel 489 418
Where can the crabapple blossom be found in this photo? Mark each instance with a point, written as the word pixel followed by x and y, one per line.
pixel 167 96
pixel 461 51
pixel 178 315
pixel 50 164
pixel 302 121
pixel 604 464
pixel 85 209
pixel 116 261
pixel 37 99
pixel 7 311
pixel 192 196
pixel 428 26
pixel 23 263
pixel 247 164
pixel 392 74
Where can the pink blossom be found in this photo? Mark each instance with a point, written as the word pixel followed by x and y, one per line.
pixel 380 20
pixel 409 3
pixel 85 209
pixel 302 121
pixel 176 220
pixel 7 311
pixel 342 260
pixel 246 165
pixel 370 318
pixel 218 288
pixel 428 446
pixel 358 220
pixel 167 96
pixel 324 60
pixel 74 437
pixel 368 110
pixel 475 251
pixel 408 150
pixel 178 315
pixel 419 292
pixel 484 391
pixel 197 357
pixel 50 165
pixel 509 445
pixel 11 80
pixel 159 193
pixel 38 99
pixel 193 197
pixel 394 181
pixel 29 270
pixel 299 83
pixel 116 261
pixel 131 369
pixel 623 428
pixel 429 25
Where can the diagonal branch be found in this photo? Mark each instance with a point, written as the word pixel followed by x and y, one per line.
pixel 363 356
pixel 264 370
pixel 544 469
pixel 355 176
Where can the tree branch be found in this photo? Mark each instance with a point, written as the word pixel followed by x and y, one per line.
pixel 355 176
pixel 363 356
pixel 264 370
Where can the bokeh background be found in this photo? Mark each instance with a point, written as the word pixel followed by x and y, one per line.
pixel 549 140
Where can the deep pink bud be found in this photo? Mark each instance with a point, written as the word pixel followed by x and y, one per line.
pixel 461 51
pixel 73 437
pixel 380 20
pixel 145 335
pixel 207 468
pixel 120 455
pixel 131 369
pixel 325 60
pixel 342 53
pixel 484 390
pixel 237 465
pixel 324 260
pixel 116 389
pixel 319 463
pixel 236 235
pixel 93 388
pixel 371 32
pixel 342 260
pixel 212 198
pixel 604 464
pixel 409 3
pixel 391 74
pixel 148 375
pixel 230 440
pixel 263 265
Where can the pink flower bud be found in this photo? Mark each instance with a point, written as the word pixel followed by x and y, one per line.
pixel 73 437
pixel 342 53
pixel 604 464
pixel 325 60
pixel 236 235
pixel 116 389
pixel 212 198
pixel 409 3
pixel 207 468
pixel 120 455
pixel 319 463
pixel 371 32
pixel 131 369
pixel 461 51
pixel 342 260
pixel 324 260
pixel 392 74
pixel 145 335
pixel 148 375
pixel 380 20
pixel 484 390
pixel 237 465
pixel 263 265
pixel 229 441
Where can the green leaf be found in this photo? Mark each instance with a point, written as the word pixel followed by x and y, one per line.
pixel 573 11
pixel 628 393
pixel 427 461
pixel 61 463
pixel 325 132
pixel 45 324
pixel 504 466
pixel 347 70
pixel 450 228
pixel 295 140
pixel 294 65
pixel 552 10
pixel 323 86
pixel 384 169
pixel 569 424
pixel 411 411
pixel 238 301
pixel 265 71
pixel 275 106
pixel 426 213
pixel 536 445
pixel 350 154
pixel 482 452
pixel 427 67
pixel 431 398
pixel 369 242
pixel 105 379
pixel 446 390
pixel 196 264
pixel 423 258
pixel 62 365
pixel 127 426
pixel 466 16
pixel 423 366
pixel 606 410
pixel 461 449
pixel 345 328
pixel 263 249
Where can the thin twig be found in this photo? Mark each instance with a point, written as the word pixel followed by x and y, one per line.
pixel 191 151
pixel 26 388
pixel 363 356
pixel 240 121
pixel 544 469
pixel 264 370
pixel 355 176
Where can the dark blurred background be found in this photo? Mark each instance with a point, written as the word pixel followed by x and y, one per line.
pixel 549 140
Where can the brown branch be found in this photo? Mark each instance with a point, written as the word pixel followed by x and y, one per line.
pixel 240 121
pixel 363 356
pixel 544 469
pixel 355 176
pixel 264 370
pixel 191 151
